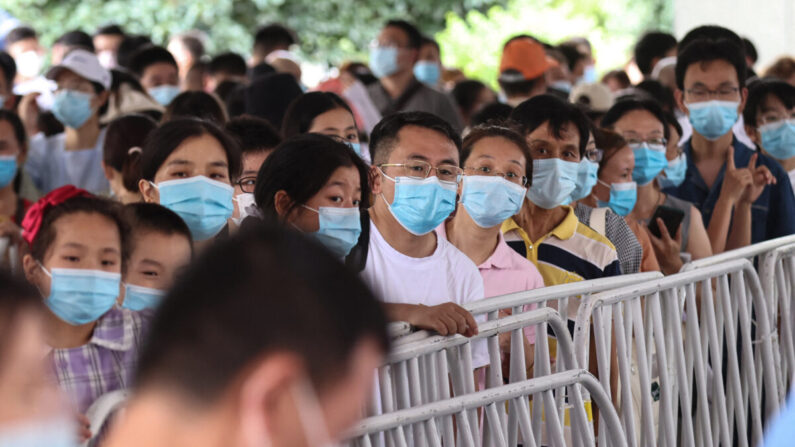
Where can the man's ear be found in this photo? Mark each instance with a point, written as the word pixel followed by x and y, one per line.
pixel 148 191
pixel 375 180
pixel 102 98
pixel 680 101
pixel 743 99
pixel 262 391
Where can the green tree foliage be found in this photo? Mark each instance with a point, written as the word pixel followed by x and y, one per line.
pixel 474 42
pixel 471 32
pixel 330 30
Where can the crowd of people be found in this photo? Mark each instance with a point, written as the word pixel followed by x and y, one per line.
pixel 227 243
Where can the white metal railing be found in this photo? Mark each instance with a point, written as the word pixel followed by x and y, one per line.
pixel 400 428
pixel 693 347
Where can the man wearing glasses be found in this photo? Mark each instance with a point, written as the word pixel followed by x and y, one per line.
pixel 423 278
pixel 747 193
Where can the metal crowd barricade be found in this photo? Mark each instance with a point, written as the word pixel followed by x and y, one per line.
pixel 440 367
pixel 750 252
pixel 693 348
pixel 558 296
pixel 777 275
pixel 400 428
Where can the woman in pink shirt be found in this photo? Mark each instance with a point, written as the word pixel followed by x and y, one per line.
pixel 497 172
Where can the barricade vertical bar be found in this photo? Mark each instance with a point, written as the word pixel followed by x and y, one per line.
pixel 647 417
pixel 623 372
pixel 708 314
pixel 415 389
pixel 667 397
pixel 493 419
pixel 693 334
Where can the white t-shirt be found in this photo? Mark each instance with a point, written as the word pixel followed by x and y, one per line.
pixel 51 166
pixel 446 275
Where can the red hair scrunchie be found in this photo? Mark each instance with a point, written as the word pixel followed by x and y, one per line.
pixel 31 224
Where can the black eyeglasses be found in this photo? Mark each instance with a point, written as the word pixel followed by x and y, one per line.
pixel 247 184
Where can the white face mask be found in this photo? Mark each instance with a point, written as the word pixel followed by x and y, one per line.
pixel 29 64
pixel 246 206
pixel 107 59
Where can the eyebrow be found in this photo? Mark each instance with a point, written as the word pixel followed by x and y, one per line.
pixel 74 245
pixel 219 164
pixel 110 250
pixel 249 172
pixel 151 261
pixel 179 162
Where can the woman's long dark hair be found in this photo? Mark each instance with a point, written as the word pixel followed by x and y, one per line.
pixel 301 166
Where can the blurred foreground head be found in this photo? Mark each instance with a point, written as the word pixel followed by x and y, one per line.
pixel 266 340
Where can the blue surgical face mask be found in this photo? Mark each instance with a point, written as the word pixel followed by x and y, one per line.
pixel 674 173
pixel 164 94
pixel 8 169
pixel 383 61
pixel 586 179
pixel 138 298
pixel 589 76
pixel 778 139
pixel 53 432
pixel 713 119
pixel 79 296
pixel 490 201
pixel 421 205
pixel 427 72
pixel 339 228
pixel 562 85
pixel 649 162
pixel 553 182
pixel 72 108
pixel 622 197
pixel 203 204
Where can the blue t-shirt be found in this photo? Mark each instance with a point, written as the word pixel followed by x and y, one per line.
pixel 773 213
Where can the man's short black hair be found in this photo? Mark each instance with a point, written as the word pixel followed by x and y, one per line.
pixel 229 63
pixel 20 33
pixel 412 33
pixel 253 134
pixel 624 106
pixel 758 92
pixel 281 293
pixel 110 30
pixel 750 50
pixel 385 134
pixel 518 88
pixel 150 55
pixel 128 47
pixel 711 32
pixel 572 54
pixel 427 40
pixel 536 111
pixel 76 38
pixel 274 35
pixel 707 50
pixel 653 45
pixel 8 67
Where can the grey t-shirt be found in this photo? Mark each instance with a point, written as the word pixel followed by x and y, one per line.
pixel 416 97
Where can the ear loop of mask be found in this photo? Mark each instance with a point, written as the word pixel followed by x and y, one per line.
pixel 46 272
pixel 388 205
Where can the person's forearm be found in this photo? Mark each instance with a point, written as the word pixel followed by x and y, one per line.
pixel 719 225
pixel 400 312
pixel 740 234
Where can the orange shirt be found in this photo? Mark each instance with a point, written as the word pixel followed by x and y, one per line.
pixel 649 261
